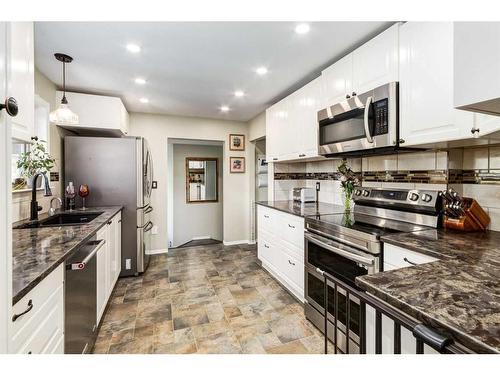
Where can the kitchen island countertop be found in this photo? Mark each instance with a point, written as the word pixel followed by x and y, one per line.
pixel 458 294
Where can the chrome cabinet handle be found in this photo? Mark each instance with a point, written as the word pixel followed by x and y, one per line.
pixel 148 210
pixel 17 316
pixel 291 226
pixel 266 216
pixel 409 261
pixel 474 130
pixel 367 127
pixel 302 155
pixel 266 246
pixel 289 261
pixel 148 227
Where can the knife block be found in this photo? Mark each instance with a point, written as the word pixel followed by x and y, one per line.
pixel 475 218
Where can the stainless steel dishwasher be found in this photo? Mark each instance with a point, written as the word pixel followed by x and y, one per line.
pixel 80 324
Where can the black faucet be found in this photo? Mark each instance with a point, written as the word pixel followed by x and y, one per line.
pixel 47 193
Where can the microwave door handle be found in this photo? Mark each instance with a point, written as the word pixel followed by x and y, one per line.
pixel 367 126
pixel 351 256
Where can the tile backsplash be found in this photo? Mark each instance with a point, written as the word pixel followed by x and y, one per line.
pixel 473 172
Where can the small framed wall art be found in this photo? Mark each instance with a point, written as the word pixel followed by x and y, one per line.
pixel 236 164
pixel 236 142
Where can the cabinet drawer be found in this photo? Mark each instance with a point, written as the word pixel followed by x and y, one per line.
pixel 291 231
pixel 267 248
pixel 266 218
pixel 293 269
pixel 42 329
pixel 399 257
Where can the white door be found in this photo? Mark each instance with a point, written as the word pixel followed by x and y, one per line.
pixel 375 63
pixel 5 198
pixel 426 85
pixel 336 81
pixel 22 82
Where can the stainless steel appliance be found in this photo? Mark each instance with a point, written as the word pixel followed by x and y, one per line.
pixel 348 245
pixel 118 171
pixel 303 195
pixel 361 124
pixel 80 300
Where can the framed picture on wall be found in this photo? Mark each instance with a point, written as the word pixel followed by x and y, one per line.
pixel 236 164
pixel 236 142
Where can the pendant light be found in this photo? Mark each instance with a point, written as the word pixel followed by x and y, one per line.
pixel 63 115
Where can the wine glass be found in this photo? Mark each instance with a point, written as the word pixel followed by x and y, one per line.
pixel 83 192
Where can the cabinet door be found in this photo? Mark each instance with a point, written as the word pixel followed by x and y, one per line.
pixel 102 273
pixel 375 63
pixel 336 81
pixel 272 133
pixel 22 79
pixel 118 246
pixel 111 265
pixel 426 85
pixel 307 121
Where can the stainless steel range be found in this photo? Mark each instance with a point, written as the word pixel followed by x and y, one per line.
pixel 349 245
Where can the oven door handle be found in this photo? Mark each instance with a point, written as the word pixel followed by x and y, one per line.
pixel 366 118
pixel 346 254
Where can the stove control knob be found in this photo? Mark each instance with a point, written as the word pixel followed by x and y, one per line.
pixel 426 197
pixel 413 197
pixel 366 193
pixel 357 192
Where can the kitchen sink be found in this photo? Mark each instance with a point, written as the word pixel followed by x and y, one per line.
pixel 61 219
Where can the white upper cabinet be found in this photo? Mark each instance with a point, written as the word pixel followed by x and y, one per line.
pixel 22 79
pixel 477 68
pixel 375 63
pixel 106 114
pixel 336 81
pixel 292 126
pixel 427 114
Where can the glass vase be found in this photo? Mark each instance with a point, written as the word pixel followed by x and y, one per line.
pixel 347 201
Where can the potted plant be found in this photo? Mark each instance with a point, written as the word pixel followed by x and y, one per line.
pixel 35 160
pixel 349 181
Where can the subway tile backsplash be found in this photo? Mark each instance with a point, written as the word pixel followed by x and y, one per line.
pixel 473 172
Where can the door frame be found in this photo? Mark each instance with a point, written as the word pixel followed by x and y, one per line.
pixel 5 195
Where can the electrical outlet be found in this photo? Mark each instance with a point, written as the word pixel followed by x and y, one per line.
pixel 154 230
pixel 128 263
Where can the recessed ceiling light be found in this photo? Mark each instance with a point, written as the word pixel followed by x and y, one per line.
pixel 140 81
pixel 302 28
pixel 144 100
pixel 224 108
pixel 134 48
pixel 239 93
pixel 261 70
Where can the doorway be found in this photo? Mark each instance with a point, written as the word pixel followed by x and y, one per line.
pixel 196 202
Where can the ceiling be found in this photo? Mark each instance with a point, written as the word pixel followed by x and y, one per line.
pixel 193 68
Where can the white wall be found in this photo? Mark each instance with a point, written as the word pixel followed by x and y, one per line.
pixel 257 127
pixel 194 220
pixel 157 129
pixel 21 200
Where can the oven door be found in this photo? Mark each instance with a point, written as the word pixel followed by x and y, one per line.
pixel 346 264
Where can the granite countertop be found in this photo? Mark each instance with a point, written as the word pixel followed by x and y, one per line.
pixel 304 209
pixel 459 294
pixel 37 252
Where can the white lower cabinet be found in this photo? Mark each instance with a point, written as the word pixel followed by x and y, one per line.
pixel 108 262
pixel 281 248
pixel 40 329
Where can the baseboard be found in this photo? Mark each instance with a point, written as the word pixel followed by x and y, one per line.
pixel 201 238
pixel 157 251
pixel 239 242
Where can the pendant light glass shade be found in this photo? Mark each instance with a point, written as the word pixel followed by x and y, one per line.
pixel 63 115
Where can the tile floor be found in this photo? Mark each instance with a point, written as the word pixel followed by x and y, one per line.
pixel 205 299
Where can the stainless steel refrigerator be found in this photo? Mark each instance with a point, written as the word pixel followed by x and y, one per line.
pixel 118 171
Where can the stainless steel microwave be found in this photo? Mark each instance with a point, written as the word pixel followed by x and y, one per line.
pixel 361 124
